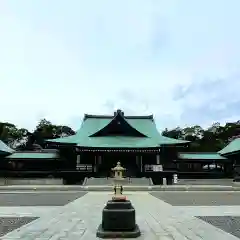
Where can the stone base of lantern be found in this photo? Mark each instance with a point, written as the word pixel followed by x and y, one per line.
pixel 119 198
pixel 118 220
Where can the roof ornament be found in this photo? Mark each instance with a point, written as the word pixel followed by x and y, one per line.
pixel 119 112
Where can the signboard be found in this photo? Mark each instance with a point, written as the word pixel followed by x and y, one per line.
pixel 157 168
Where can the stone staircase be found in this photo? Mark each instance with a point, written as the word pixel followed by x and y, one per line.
pixel 109 182
pixel 97 182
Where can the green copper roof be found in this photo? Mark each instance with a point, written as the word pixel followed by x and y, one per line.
pixel 93 124
pixel 232 147
pixel 203 156
pixel 4 149
pixel 32 155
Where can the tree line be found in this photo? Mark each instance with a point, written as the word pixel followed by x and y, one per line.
pixel 22 139
pixel 211 139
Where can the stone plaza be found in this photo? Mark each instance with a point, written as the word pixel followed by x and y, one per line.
pixel 62 215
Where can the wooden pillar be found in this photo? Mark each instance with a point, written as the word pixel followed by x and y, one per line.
pixel 98 162
pixel 95 163
pixel 158 159
pixel 78 161
pixel 141 164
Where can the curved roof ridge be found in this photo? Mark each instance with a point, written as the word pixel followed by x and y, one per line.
pixel 86 116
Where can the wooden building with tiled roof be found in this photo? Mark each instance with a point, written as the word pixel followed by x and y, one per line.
pixel 103 140
pixel 135 141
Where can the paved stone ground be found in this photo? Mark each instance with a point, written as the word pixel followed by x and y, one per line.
pixel 199 198
pixel 38 199
pixel 157 219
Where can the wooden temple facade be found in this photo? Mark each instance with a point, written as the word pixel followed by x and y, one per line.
pixel 103 140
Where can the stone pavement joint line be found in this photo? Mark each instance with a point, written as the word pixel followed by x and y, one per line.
pixel 80 219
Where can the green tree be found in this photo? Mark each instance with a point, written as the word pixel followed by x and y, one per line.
pixel 211 139
pixel 46 130
pixel 174 133
pixel 10 134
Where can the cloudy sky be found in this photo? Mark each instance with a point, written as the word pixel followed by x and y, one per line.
pixel 177 59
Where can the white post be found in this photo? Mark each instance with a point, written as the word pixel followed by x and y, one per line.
pixel 175 178
pixel 158 159
pixel 164 181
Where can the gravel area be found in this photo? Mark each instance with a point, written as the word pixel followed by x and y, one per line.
pixel 199 198
pixel 8 224
pixel 226 223
pixel 38 198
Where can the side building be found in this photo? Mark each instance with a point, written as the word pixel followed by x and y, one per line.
pixel 232 153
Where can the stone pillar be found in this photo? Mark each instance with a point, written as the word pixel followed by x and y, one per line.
pixel 158 159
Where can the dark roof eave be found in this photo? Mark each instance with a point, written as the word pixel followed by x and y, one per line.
pixel 85 147
pixel 3 153
pixel 229 153
pixel 60 143
pixel 200 153
pixel 32 159
pixel 175 144
pixel 100 149
pixel 201 160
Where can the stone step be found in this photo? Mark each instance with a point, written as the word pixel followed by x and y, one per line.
pixel 109 181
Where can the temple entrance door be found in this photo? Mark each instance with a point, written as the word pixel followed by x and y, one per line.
pixel 109 160
pixel 107 163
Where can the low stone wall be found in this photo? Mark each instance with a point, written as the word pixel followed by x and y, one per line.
pixel 31 181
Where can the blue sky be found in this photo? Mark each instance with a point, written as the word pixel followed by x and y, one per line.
pixel 177 59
